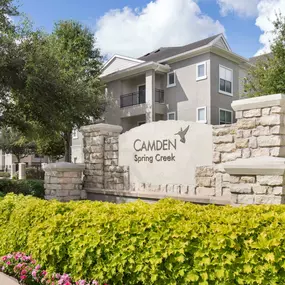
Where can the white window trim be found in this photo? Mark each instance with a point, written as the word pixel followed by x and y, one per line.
pixel 221 91
pixel 221 109
pixel 75 134
pixel 204 76
pixel 174 84
pixel 171 113
pixel 197 115
pixel 139 122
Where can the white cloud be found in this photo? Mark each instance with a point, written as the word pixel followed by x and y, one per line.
pixel 246 8
pixel 267 10
pixel 134 32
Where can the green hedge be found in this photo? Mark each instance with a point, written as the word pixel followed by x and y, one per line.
pixel 25 187
pixel 168 242
pixel 5 174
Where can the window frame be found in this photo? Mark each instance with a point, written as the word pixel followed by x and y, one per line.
pixel 232 82
pixel 173 84
pixel 171 113
pixel 197 71
pixel 75 134
pixel 225 110
pixel 197 115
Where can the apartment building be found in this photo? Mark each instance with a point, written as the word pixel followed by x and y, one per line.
pixel 196 82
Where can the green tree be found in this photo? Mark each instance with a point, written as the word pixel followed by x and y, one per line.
pixel 11 141
pixel 267 76
pixel 61 88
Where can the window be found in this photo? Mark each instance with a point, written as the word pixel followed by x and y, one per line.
pixel 171 116
pixel 201 71
pixel 226 80
pixel 226 117
pixel 75 134
pixel 202 115
pixel 171 79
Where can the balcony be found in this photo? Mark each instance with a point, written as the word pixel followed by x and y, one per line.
pixel 137 98
pixel 133 104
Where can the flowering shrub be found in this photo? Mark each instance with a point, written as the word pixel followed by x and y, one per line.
pixel 28 272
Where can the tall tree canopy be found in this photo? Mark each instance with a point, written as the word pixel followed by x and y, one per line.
pixel 268 74
pixel 55 84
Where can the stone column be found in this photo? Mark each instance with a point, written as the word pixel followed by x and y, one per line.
pixel 150 95
pixel 22 171
pixel 101 154
pixel 13 170
pixel 63 181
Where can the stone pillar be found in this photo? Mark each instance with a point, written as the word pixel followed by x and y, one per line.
pixel 63 181
pixel 101 155
pixel 13 170
pixel 150 95
pixel 258 180
pixel 22 171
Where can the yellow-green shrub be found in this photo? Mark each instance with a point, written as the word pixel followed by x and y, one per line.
pixel 169 242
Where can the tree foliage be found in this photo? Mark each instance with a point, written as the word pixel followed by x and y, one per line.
pixel 50 81
pixel 11 141
pixel 267 76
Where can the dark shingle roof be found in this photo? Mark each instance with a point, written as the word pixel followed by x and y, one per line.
pixel 165 52
pixel 262 57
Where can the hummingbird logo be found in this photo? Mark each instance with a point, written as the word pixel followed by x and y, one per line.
pixel 182 134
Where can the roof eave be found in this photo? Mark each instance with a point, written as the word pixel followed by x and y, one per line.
pixel 186 54
pixel 135 70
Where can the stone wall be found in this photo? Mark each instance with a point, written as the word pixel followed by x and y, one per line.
pixel 63 181
pixel 259 132
pixel 257 189
pixel 101 158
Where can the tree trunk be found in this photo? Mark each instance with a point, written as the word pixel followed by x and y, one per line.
pixel 67 147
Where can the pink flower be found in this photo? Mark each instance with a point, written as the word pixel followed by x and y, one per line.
pixel 23 277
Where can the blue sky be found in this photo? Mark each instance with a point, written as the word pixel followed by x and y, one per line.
pixel 241 31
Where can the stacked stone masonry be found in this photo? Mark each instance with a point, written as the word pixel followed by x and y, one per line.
pixel 101 160
pixel 257 189
pixel 64 185
pixel 258 132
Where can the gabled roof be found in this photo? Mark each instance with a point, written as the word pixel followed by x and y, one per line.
pixel 122 57
pixel 262 57
pixel 167 52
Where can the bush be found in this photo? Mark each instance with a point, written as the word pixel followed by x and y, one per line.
pixel 32 173
pixel 5 174
pixel 25 187
pixel 168 242
pixel 26 270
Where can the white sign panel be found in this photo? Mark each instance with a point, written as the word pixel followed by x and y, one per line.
pixel 166 152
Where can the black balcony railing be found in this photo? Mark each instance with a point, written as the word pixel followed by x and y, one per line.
pixel 138 97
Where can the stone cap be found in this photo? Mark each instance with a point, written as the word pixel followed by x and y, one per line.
pixel 101 127
pixel 64 166
pixel 264 165
pixel 259 102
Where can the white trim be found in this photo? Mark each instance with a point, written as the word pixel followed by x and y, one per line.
pixel 197 71
pixel 171 113
pixel 232 87
pixel 139 122
pixel 122 57
pixel 226 110
pixel 197 117
pixel 75 134
pixel 173 84
pixel 134 70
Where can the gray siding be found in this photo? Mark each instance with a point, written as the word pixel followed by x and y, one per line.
pixel 219 100
pixel 189 94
